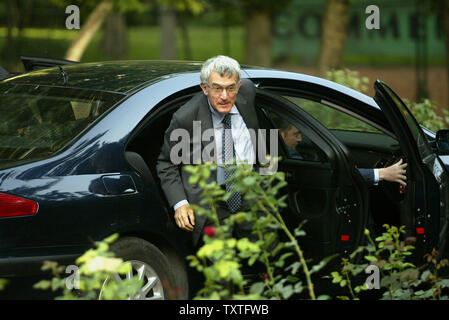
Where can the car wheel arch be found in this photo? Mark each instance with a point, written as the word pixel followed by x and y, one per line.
pixel 176 262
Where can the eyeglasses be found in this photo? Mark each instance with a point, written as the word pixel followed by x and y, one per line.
pixel 232 89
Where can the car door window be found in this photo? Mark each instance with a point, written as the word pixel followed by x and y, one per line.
pixel 37 121
pixel 296 143
pixel 370 147
pixel 332 118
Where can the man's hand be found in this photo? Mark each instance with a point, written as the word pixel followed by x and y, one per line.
pixel 184 217
pixel 394 173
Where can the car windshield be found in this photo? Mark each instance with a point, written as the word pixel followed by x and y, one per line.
pixel 37 121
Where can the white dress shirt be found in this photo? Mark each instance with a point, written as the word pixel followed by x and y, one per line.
pixel 376 177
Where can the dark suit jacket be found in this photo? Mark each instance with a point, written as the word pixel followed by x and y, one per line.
pixel 174 180
pixel 368 175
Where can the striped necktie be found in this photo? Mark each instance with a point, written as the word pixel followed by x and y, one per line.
pixel 227 156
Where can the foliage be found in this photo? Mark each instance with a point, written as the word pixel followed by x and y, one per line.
pixel 223 259
pixel 143 43
pixel 424 112
pixel 120 5
pixel 193 6
pixel 331 118
pixel 97 268
pixel 196 7
pixel 399 278
pixel 349 78
pixel 3 283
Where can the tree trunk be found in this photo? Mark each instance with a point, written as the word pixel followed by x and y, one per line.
pixel 185 37
pixel 258 38
pixel 88 30
pixel 333 36
pixel 168 32
pixel 115 36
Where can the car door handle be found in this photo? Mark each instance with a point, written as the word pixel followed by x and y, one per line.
pixel 119 184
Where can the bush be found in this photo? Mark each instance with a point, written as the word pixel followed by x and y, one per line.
pixel 425 114
pixel 93 279
pixel 3 283
pixel 423 111
pixel 399 279
pixel 349 78
pixel 222 257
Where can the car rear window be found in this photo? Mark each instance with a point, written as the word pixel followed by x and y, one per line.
pixel 37 121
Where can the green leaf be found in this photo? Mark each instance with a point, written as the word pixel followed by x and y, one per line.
pixel 257 288
pixel 249 181
pixel 42 285
pixel 252 260
pixel 194 179
pixel 292 279
pixel 425 275
pixel 336 277
pixel 294 266
pixel 371 258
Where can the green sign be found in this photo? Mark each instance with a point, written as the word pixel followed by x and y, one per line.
pixel 297 32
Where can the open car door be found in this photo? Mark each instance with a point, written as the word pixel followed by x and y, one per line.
pixel 324 188
pixel 425 206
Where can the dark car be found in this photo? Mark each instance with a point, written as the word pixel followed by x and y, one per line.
pixel 78 147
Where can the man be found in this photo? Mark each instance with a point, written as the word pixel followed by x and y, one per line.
pixel 225 105
pixel 292 137
pixel 394 173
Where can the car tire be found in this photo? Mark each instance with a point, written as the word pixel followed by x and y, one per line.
pixel 159 283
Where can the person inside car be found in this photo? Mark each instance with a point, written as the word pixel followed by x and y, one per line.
pixel 292 138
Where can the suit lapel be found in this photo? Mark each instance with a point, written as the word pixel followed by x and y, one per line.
pixel 247 112
pixel 205 116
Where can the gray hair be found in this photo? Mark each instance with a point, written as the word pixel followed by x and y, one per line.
pixel 223 65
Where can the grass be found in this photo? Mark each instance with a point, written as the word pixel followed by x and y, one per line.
pixel 143 43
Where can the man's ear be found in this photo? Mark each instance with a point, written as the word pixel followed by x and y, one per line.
pixel 203 86
pixel 282 133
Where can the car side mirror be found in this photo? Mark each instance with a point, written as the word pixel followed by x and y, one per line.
pixel 442 142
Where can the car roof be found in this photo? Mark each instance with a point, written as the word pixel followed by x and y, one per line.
pixel 115 76
pixel 128 76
